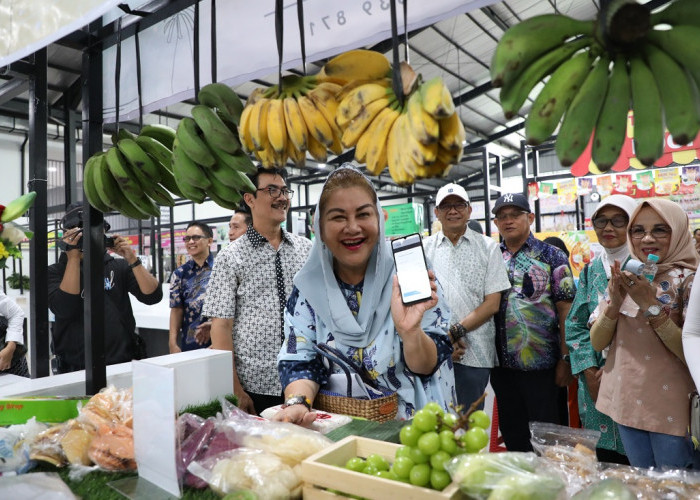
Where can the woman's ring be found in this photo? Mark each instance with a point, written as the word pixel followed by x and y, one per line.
pixel 631 283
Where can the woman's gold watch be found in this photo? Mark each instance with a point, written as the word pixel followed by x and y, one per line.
pixel 298 399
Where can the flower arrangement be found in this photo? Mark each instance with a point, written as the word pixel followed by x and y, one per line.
pixel 11 234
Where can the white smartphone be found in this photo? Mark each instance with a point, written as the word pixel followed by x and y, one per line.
pixel 411 269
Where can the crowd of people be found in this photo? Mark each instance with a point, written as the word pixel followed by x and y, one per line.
pixel 509 314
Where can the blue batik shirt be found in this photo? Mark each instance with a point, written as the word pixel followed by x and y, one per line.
pixel 527 324
pixel 188 287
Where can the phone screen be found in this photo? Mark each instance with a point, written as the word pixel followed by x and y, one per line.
pixel 411 269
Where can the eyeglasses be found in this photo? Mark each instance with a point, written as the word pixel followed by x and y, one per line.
pixel 276 192
pixel 616 221
pixel 460 207
pixel 194 237
pixel 510 216
pixel 659 233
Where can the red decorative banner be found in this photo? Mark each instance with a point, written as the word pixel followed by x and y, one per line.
pixel 673 153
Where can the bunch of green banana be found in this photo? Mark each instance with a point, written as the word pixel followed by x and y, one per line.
pixel 594 80
pixel 207 157
pixel 134 176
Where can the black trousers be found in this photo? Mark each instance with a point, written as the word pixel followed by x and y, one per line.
pixel 523 397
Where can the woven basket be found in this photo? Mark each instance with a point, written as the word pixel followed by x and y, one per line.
pixel 379 410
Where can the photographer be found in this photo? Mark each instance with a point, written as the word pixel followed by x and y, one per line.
pixel 121 277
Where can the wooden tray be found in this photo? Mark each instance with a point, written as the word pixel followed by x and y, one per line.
pixel 326 469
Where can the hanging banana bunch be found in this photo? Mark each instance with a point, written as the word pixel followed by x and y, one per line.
pixel 207 158
pixel 134 176
pixel 597 71
pixel 420 139
pixel 297 117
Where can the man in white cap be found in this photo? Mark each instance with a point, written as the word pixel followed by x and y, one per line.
pixel 472 275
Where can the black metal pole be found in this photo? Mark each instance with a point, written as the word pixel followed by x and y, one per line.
pixel 69 161
pixel 38 251
pixel 93 240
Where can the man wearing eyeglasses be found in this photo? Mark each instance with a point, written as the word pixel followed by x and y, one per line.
pixel 472 276
pixel 188 286
pixel 530 343
pixel 248 290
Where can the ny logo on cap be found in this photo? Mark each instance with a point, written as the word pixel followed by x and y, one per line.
pixel 450 190
pixel 508 198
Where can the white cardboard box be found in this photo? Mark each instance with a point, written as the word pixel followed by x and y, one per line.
pixel 201 376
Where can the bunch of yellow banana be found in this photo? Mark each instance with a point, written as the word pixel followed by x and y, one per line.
pixel 297 117
pixel 291 119
pixel 134 176
pixel 421 139
pixel 594 80
pixel 207 158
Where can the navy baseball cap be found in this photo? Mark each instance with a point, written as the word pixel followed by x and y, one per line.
pixel 512 199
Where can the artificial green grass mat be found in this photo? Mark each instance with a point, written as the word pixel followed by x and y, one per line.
pixel 94 485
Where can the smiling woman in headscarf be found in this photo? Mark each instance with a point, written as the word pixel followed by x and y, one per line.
pixel 610 222
pixel 645 382
pixel 346 296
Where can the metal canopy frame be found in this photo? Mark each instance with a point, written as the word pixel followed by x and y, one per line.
pixel 81 88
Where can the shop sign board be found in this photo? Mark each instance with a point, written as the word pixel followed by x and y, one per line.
pixel 403 219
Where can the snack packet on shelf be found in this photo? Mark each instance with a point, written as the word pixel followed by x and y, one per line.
pixel 568 450
pixel 325 422
pixel 101 434
pixel 260 472
pixel 503 476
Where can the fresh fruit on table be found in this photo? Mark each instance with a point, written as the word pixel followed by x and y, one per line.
pixel 598 70
pixel 430 441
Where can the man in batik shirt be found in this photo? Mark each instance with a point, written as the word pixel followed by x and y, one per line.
pixel 530 345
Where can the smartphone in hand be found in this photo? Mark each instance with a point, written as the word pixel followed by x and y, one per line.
pixel 411 269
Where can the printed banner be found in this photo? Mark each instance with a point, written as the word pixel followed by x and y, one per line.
pixel 546 189
pixel 604 185
pixel 246 44
pixel 666 181
pixel 566 191
pixel 623 184
pixel 584 185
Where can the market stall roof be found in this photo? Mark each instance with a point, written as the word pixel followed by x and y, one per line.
pixel 458 49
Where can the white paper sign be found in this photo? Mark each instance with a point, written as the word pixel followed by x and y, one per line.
pixel 155 434
pixel 246 47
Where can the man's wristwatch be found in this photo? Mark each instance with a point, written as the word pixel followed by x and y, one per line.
pixel 654 310
pixel 458 332
pixel 136 263
pixel 566 358
pixel 298 399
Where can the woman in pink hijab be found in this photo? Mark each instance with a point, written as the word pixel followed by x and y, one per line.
pixel 646 381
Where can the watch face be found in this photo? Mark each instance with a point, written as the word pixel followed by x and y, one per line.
pixel 654 310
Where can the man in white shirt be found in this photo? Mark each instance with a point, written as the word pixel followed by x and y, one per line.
pixel 472 275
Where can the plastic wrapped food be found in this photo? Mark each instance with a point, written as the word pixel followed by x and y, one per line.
pixel 648 483
pixel 201 439
pixel 14 446
pixel 568 450
pixel 501 476
pixel 260 472
pixel 292 443
pixel 101 434
pixel 607 489
pixel 325 422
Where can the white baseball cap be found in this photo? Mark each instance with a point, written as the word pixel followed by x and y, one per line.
pixel 451 190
